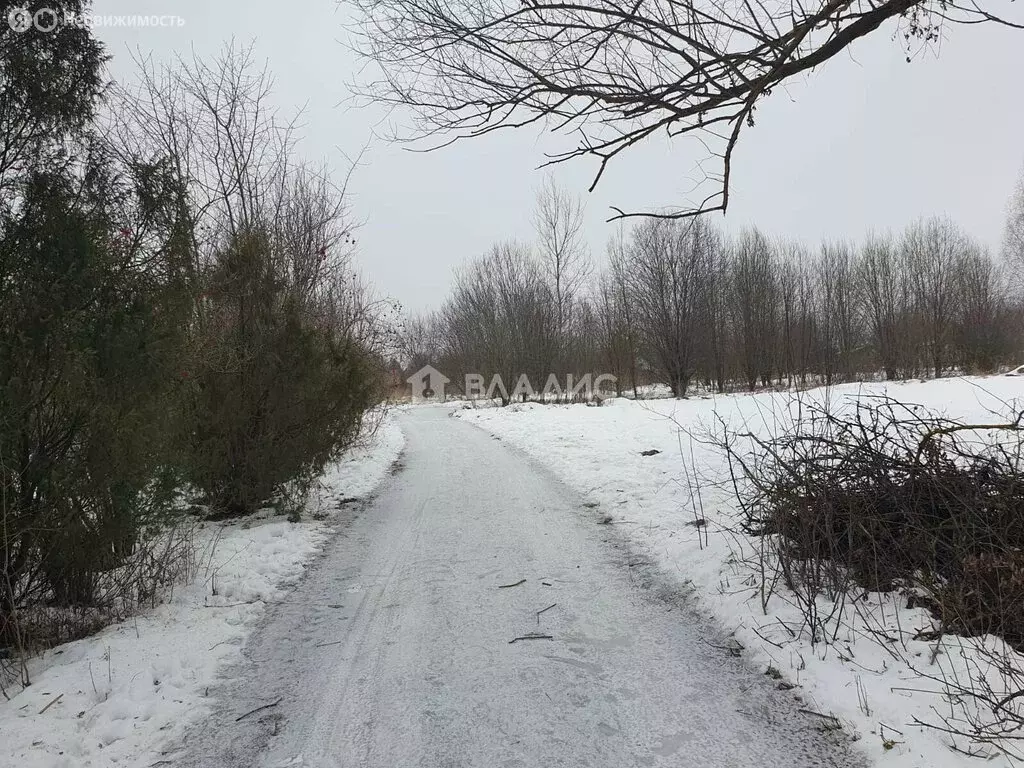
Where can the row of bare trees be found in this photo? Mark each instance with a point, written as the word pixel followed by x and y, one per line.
pixel 681 303
pixel 699 307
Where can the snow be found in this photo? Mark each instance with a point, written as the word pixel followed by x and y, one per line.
pixel 131 688
pixel 413 642
pixel 876 692
pixel 120 697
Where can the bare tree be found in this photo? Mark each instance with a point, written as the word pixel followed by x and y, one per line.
pixel 983 333
pixel 498 320
pixel 934 249
pixel 558 221
pixel 619 314
pixel 792 258
pixel 615 74
pixel 807 320
pixel 839 310
pixel 714 328
pixel 214 120
pixel 884 291
pixel 421 340
pixel 614 337
pixel 669 263
pixel 1013 239
pixel 754 296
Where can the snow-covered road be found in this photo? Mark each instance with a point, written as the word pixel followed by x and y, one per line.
pixel 396 650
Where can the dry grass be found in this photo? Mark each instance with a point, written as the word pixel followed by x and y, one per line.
pixel 144 578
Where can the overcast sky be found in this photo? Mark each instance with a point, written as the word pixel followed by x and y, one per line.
pixel 867 142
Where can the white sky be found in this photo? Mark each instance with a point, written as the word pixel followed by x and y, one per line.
pixel 866 142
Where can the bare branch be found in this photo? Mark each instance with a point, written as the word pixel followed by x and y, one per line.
pixel 613 74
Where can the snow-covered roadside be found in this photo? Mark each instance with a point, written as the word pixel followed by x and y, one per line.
pixel 113 699
pixel 650 499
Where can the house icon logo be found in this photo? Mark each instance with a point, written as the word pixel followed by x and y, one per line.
pixel 428 384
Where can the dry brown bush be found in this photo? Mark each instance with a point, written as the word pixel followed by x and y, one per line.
pixel 887 497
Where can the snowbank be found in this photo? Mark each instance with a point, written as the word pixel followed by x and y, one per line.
pixel 874 688
pixel 113 699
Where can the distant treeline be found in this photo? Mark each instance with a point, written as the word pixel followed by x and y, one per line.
pixel 681 303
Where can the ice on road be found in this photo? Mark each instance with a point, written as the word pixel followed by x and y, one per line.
pixel 396 651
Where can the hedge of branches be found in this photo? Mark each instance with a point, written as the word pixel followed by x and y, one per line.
pixel 888 497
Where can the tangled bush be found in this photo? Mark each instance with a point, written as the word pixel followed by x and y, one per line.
pixel 887 497
pixel 987 598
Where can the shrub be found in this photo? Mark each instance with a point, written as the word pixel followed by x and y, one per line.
pixel 278 391
pixel 886 498
pixel 87 339
pixel 94 299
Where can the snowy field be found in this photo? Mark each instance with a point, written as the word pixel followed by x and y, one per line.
pixel 115 698
pixel 874 692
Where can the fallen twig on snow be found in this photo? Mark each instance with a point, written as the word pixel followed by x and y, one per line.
pixel 52 702
pixel 823 716
pixel 260 709
pixel 542 610
pixel 734 650
pixel 531 636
